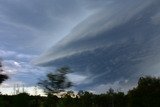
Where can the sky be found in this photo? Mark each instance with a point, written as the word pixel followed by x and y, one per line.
pixel 107 43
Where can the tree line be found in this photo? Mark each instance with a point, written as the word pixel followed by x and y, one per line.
pixel 145 94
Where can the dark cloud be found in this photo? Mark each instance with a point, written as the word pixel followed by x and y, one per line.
pixel 116 44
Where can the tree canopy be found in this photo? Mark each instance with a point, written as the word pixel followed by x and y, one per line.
pixel 3 77
pixel 56 82
pixel 145 94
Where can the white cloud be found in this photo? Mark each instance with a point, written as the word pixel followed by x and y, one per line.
pixel 17 64
pixel 30 90
pixel 77 78
pixel 34 90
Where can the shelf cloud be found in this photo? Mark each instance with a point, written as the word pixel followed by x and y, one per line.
pixel 119 42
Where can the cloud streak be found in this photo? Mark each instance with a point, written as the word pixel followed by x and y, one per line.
pixel 32 22
pixel 93 28
pixel 119 41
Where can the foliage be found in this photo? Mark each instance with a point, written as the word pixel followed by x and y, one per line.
pixel 51 101
pixel 21 100
pixel 146 94
pixel 56 82
pixel 3 77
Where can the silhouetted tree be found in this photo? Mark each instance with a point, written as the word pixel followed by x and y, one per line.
pixel 21 100
pixel 56 82
pixel 70 93
pixel 51 101
pixel 146 94
pixel 80 93
pixel 3 77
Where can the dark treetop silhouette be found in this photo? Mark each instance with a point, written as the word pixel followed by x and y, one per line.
pixel 3 77
pixel 56 82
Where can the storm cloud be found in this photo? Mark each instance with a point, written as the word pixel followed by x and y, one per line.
pixel 115 45
pixel 107 43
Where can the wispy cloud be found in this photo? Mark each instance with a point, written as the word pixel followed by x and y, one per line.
pixel 29 23
pixel 83 36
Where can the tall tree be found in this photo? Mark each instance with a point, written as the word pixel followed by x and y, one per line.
pixel 3 77
pixel 56 82
pixel 146 94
